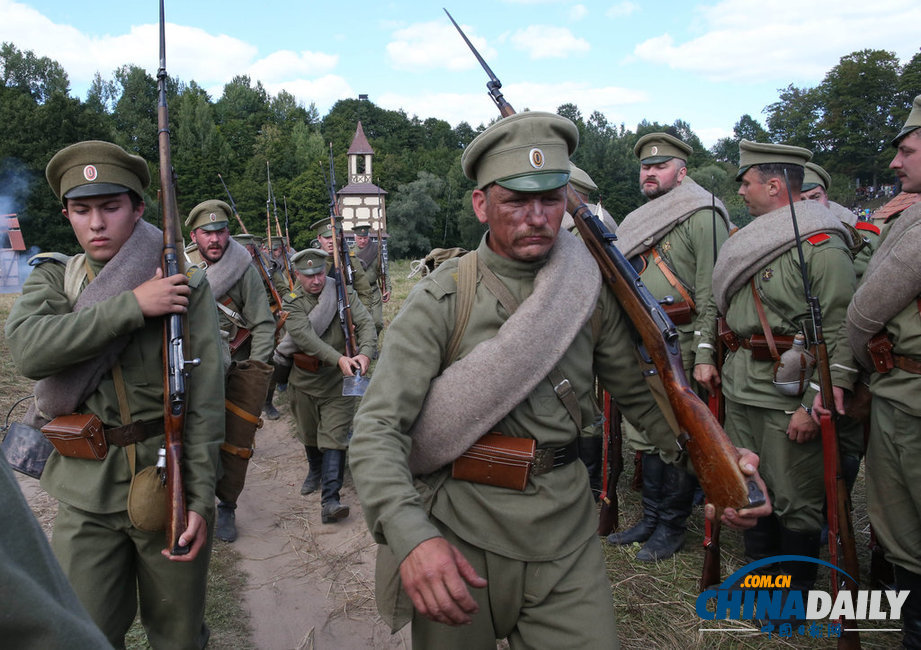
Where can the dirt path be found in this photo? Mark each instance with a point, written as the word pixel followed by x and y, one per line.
pixel 309 585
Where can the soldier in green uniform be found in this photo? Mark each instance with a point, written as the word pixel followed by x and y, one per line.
pixel 102 310
pixel 529 552
pixel 360 282
pixel 677 234
pixel 887 303
pixel 758 286
pixel 365 251
pixel 323 416
pixel 247 321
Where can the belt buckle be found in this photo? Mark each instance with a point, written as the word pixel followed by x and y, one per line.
pixel 563 388
pixel 543 461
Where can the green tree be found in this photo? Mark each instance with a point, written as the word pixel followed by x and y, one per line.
pixel 410 216
pixel 794 118
pixel 40 77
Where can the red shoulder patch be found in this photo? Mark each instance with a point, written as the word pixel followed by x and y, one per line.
pixel 869 227
pixel 819 238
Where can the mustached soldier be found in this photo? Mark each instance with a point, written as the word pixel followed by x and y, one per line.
pixel 91 331
pixel 245 316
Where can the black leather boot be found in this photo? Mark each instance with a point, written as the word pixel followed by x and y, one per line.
pixel 333 471
pixel 674 509
pixel 653 475
pixel 802 574
pixel 226 527
pixel 763 539
pixel 315 465
pixel 911 610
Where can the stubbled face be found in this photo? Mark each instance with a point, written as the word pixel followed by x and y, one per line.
pixel 815 194
pixel 362 240
pixel 313 284
pixel 755 193
pixel 522 225
pixel 211 243
pixel 102 224
pixel 907 162
pixel 326 243
pixel 661 178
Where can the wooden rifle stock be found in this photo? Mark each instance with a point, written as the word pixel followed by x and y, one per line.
pixel 341 267
pixel 715 459
pixel 174 371
pixel 612 468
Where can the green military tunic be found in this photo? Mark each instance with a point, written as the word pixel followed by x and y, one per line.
pixel 322 414
pixel 554 516
pixel 367 257
pixel 360 282
pixel 756 413
pixel 45 335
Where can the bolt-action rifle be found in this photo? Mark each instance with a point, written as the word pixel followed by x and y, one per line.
pixel 612 465
pixel 715 459
pixel 342 269
pixel 233 206
pixel 175 373
pixel 270 199
pixel 383 261
pixel 842 550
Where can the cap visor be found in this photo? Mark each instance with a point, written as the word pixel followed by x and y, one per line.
pixel 742 171
pixel 217 225
pixel 540 182
pixel 905 131
pixel 655 160
pixel 96 189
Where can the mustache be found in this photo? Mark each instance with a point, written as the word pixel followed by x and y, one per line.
pixel 537 232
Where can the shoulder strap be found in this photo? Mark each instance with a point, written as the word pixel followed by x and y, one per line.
pixel 76 271
pixel 466 292
pixel 768 334
pixel 672 279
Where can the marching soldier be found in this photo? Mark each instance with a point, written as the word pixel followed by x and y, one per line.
pixel 247 320
pixel 366 252
pixel 323 416
pixel 758 287
pixel 677 233
pixel 325 241
pixel 90 328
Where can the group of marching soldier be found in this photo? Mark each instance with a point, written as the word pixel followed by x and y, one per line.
pixel 742 301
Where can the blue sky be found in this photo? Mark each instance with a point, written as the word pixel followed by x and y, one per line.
pixel 705 62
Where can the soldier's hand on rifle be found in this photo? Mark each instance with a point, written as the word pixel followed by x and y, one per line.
pixel 746 517
pixel 706 375
pixel 160 296
pixel 434 575
pixel 195 535
pixel 348 365
pixel 385 297
pixel 801 428
pixel 818 410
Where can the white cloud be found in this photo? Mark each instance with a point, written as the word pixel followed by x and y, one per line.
pixel 546 42
pixel 577 12
pixel 622 9
pixel 745 40
pixel 477 108
pixel 323 91
pixel 285 64
pixel 435 44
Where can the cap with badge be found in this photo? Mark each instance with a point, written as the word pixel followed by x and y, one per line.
pixel 323 228
pixel 209 215
pixel 815 177
pixel 525 152
pixel 310 261
pixel 761 153
pixel 581 181
pixel 655 148
pixel 96 168
pixel 244 239
pixel 913 122
pixel 362 228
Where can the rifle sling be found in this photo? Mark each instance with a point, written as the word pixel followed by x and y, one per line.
pixel 673 279
pixel 762 317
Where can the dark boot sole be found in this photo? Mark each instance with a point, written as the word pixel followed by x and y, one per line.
pixel 336 515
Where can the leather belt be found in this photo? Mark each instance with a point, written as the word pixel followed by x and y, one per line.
pixel 907 364
pixel 130 434
pixel 549 458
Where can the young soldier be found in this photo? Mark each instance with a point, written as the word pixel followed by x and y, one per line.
pixel 677 233
pixel 530 554
pixel 883 332
pixel 247 320
pixel 758 287
pixel 360 282
pixel 90 328
pixel 322 414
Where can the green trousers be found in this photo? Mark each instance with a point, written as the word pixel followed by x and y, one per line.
pixel 322 422
pixel 893 473
pixel 792 471
pixel 114 567
pixel 564 603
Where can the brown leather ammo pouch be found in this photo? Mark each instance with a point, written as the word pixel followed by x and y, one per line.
pixel 307 362
pixel 679 312
pixel 761 349
pixel 79 435
pixel 880 349
pixel 495 459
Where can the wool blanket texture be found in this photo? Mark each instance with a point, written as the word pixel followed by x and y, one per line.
pixel 474 393
pixel 892 281
pixel 320 317
pixel 135 263
pixel 843 214
pixel 367 255
pixel 642 228
pixel 768 236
